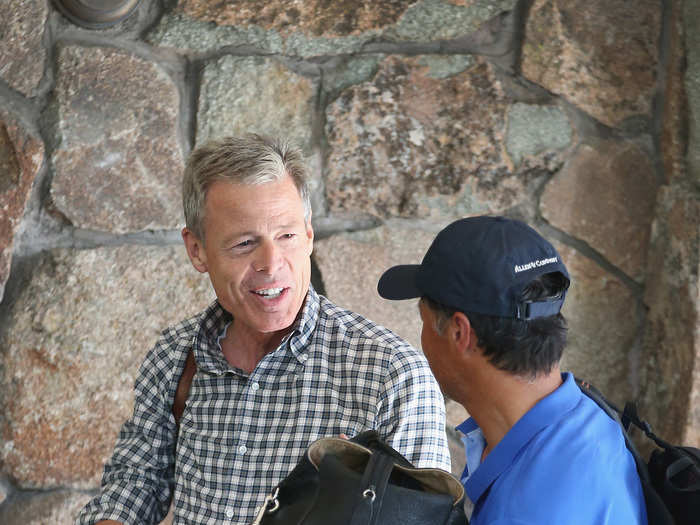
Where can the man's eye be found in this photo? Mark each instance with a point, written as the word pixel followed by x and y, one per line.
pixel 244 244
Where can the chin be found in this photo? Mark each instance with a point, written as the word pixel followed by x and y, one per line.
pixel 276 326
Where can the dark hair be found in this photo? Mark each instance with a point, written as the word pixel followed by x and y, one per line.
pixel 525 348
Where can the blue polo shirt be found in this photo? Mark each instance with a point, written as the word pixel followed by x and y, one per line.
pixel 564 462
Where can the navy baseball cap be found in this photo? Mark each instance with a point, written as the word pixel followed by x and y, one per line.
pixel 481 265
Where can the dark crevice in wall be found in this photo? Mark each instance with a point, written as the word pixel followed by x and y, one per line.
pixel 188 104
pixel 317 277
pixel 520 15
pixel 82 239
pixel 326 226
pixel 659 97
pixel 15 104
pixel 149 15
pixel 587 250
pixel 20 274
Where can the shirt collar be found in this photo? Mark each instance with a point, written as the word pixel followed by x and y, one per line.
pixel 548 411
pixel 304 326
pixel 474 445
pixel 215 320
pixel 207 351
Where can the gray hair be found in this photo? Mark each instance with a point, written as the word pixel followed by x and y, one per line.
pixel 442 314
pixel 250 159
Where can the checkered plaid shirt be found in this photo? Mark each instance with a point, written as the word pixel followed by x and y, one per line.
pixel 240 433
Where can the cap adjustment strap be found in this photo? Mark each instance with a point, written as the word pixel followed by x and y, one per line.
pixel 527 310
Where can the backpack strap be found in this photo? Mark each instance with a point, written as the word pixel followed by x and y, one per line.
pixel 183 387
pixel 657 511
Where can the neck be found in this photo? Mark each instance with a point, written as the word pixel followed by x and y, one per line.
pixel 497 399
pixel 244 348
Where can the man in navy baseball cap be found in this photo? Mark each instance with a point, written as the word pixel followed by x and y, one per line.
pixel 538 450
pixel 482 265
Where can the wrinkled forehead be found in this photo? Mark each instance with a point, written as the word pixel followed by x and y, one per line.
pixel 253 206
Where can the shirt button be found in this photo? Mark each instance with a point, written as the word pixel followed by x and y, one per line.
pixel 302 357
pixel 254 387
pixel 229 513
pixel 242 449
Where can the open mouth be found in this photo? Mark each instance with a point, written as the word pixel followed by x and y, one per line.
pixel 269 293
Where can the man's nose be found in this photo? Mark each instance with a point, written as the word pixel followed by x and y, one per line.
pixel 267 257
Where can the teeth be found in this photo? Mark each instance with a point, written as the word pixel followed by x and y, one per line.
pixel 270 292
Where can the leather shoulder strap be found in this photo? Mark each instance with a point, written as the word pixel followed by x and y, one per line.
pixel 183 387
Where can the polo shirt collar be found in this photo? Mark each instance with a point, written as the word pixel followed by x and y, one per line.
pixel 548 411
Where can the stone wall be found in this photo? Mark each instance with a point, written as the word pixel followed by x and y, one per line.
pixel 579 116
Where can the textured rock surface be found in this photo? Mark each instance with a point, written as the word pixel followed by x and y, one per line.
pixel 674 127
pixel 118 164
pixel 254 94
pixel 408 144
pixel 604 319
pixel 455 412
pixel 351 264
pixel 391 131
pixel 59 507
pixel 605 195
pixel 536 129
pixel 21 156
pixel 22 55
pixel 70 351
pixel 691 18
pixel 672 328
pixel 4 490
pixel 317 27
pixel 599 55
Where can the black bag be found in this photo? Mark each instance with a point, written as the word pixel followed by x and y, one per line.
pixel 671 477
pixel 362 481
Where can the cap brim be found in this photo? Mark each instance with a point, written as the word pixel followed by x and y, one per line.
pixel 399 282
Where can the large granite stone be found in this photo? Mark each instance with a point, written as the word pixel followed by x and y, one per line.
pixel 5 489
pixel 351 264
pixel 456 413
pixel 318 27
pixel 605 195
pixel 604 319
pixel 70 350
pixel 22 53
pixel 59 507
pixel 533 129
pixel 601 56
pixel 118 163
pixel 257 94
pixel 21 156
pixel 673 135
pixel 691 19
pixel 671 361
pixel 412 143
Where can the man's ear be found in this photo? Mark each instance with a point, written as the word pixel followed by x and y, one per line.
pixel 195 250
pixel 462 333
pixel 309 233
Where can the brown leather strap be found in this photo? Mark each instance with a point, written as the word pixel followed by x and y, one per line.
pixel 183 387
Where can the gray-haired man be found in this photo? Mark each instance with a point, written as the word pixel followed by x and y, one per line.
pixel 277 365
